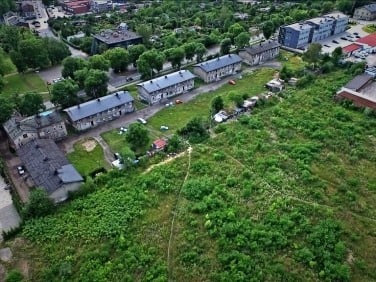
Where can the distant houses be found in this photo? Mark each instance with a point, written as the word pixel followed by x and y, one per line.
pixel 49 169
pixel 260 53
pixel 367 12
pixel 298 35
pixel 216 69
pixel 166 86
pixel 98 111
pixel 21 130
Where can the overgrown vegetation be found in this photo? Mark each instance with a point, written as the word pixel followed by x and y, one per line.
pixel 285 194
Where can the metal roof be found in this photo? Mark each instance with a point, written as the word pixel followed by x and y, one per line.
pixel 358 82
pixel 98 105
pixel 116 36
pixel 262 47
pixel 163 82
pixel 371 8
pixel 220 62
pixel 298 26
pixel 47 165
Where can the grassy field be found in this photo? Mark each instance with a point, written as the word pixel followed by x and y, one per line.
pixel 21 83
pixel 286 194
pixel 87 159
pixel 370 28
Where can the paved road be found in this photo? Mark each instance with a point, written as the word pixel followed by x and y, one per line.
pixel 9 217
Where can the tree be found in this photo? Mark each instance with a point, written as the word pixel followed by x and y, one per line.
pixel 6 109
pixel 18 61
pixel 217 104
pixel 235 30
pixel 175 56
pixel 99 62
pixel 190 50
pixel 345 6
pixel 96 83
pixel 225 46
pixel 80 77
pixel 313 54
pixel 242 40
pixel 2 83
pixel 150 61
pixel 236 97
pixel 127 157
pixel 267 29
pixel 39 204
pixel 70 65
pixel 135 51
pixel 64 93
pixel 118 57
pixel 145 32
pixel 175 144
pixel 200 52
pixel 31 104
pixel 6 6
pixel 56 49
pixel 137 136
pixel 337 54
pixel 34 53
pixel 195 131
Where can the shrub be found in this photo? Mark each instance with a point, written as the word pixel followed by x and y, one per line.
pixel 39 204
pixel 14 276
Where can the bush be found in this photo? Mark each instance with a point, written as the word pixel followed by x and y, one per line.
pixel 39 204
pixel 14 276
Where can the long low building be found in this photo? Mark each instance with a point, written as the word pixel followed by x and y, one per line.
pixel 216 69
pixel 167 86
pixel 49 168
pixel 95 112
pixel 361 90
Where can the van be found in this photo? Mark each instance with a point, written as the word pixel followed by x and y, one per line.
pixel 141 120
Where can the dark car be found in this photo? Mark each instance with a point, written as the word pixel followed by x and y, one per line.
pixel 357 36
pixel 343 38
pixel 335 41
pixel 355 33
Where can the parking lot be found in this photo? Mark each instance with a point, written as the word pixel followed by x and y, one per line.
pixel 343 39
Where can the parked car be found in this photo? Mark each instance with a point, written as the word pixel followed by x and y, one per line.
pixel 178 101
pixel 232 82
pixel 355 33
pixel 163 127
pixel 21 170
pixel 343 38
pixel 335 41
pixel 141 120
pixel 117 156
pixel 357 36
pixel 326 45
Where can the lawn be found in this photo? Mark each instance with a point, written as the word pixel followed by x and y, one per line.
pixel 370 28
pixel 21 83
pixel 132 89
pixel 177 116
pixel 290 60
pixel 87 157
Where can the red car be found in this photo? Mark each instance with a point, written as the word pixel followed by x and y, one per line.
pixel 232 82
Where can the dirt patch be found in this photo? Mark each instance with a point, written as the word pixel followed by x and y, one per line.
pixel 24 268
pixel 89 145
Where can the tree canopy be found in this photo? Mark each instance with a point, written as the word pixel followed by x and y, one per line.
pixel 64 93
pixel 137 136
pixel 96 83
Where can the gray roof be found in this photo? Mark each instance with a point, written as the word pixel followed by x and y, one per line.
pixel 98 105
pixel 47 165
pixel 116 36
pixel 262 47
pixel 220 62
pixel 298 26
pixel 18 125
pixel 163 82
pixel 371 8
pixel 358 82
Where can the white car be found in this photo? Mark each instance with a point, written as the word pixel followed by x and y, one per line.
pixel 141 120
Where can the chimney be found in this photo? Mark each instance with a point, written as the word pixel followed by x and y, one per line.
pixel 45 159
pixel 98 100
pixel 151 81
pixel 165 76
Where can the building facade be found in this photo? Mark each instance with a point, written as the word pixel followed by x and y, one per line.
pixel 100 6
pixel 298 35
pixel 216 69
pixel 165 87
pixel 49 169
pixel 20 131
pixel 95 112
pixel 260 53
pixel 367 12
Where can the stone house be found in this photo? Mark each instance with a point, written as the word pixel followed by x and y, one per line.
pixel 367 12
pixel 49 169
pixel 167 86
pixel 216 69
pixel 21 130
pixel 95 112
pixel 260 53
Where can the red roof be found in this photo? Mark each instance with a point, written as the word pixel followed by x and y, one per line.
pixel 350 48
pixel 159 144
pixel 370 40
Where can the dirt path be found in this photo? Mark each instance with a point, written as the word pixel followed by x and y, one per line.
pixel 166 161
pixel 174 215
